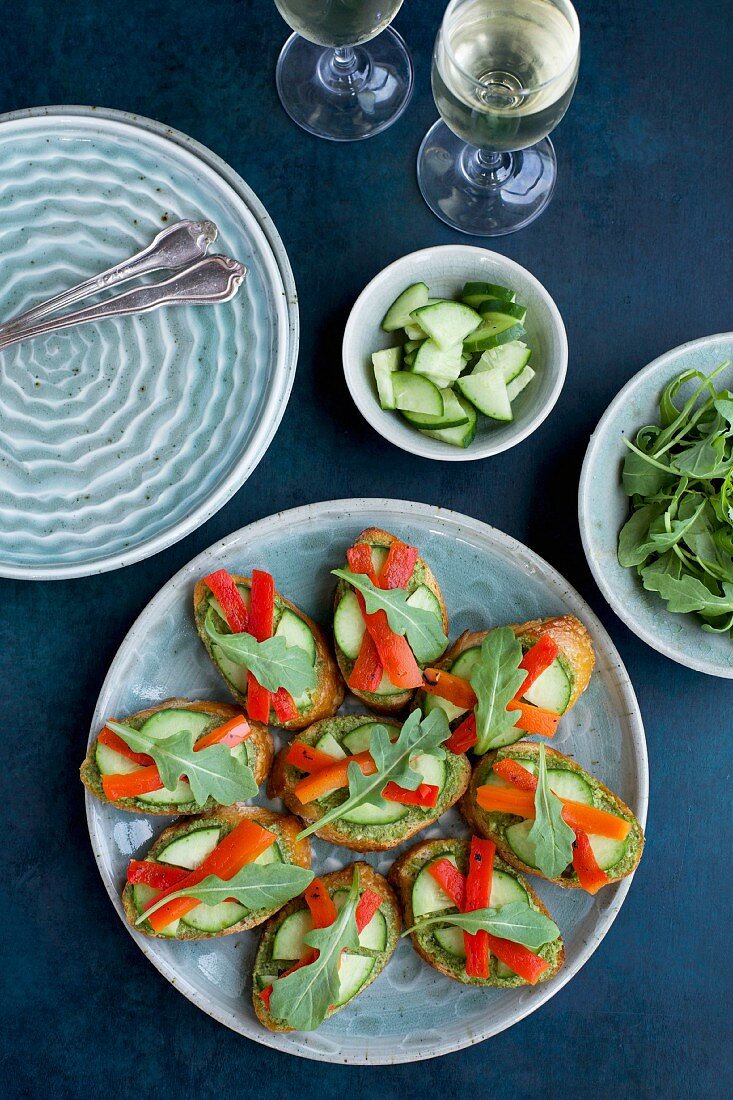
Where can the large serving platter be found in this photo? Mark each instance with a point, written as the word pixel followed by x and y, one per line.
pixel 121 437
pixel 488 578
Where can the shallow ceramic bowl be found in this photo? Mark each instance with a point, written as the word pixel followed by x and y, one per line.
pixel 603 508
pixel 445 269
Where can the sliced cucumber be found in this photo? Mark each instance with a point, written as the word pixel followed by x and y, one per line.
pixel 486 336
pixel 348 625
pixel 608 852
pixel 425 599
pixel 474 293
pixel 520 383
pixel 493 309
pixel 451 940
pixel 142 895
pixel 517 839
pixel 510 359
pixel 487 391
pixel 110 762
pixel 447 323
pixel 453 414
pixel 415 393
pixel 191 850
pixel 570 785
pixel 176 796
pixel 359 739
pixel 436 362
pixel 427 896
pixel 383 814
pixel 296 633
pixel 164 723
pixel 379 557
pixel 504 889
pixel 451 711
pixel 386 687
pixel 330 745
pixel 465 663
pixel 215 918
pixel 398 314
pixel 461 436
pixel 430 768
pixel 552 689
pixel 374 936
pixel 385 363
pixel 289 942
pixel 354 971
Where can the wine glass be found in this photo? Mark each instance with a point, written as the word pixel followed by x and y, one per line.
pixel 504 72
pixel 329 81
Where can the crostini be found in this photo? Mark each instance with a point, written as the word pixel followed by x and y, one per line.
pixel 439 882
pixel 311 776
pixel 114 772
pixel 602 839
pixel 250 631
pixel 525 677
pixel 358 920
pixel 386 587
pixel 215 874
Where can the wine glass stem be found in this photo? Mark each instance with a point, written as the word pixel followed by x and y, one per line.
pixel 485 167
pixel 344 59
pixel 344 70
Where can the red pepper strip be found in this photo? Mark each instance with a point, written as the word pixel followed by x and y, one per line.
pixel 230 734
pixel 464 737
pixel 585 865
pixel 395 655
pixel 131 784
pixel 261 613
pixel 536 660
pixel 308 759
pixel 366 674
pixel 114 741
pixel 284 706
pixel 534 719
pixel 478 896
pixel 453 688
pixel 518 958
pixel 243 844
pixel 359 558
pixel 513 772
pixel 230 600
pixel 158 875
pixel 335 776
pixel 366 909
pixel 426 795
pixel 450 880
pixel 399 566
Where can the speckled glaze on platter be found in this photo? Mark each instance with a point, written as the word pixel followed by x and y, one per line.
pixel 411 1012
pixel 121 437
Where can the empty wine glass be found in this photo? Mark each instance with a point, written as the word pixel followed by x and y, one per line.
pixel 504 72
pixel 329 81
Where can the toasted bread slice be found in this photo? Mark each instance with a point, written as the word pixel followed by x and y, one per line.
pixel 363 837
pixel 290 849
pixel 328 694
pixel 395 701
pixel 494 825
pixel 266 968
pixel 402 876
pixel 259 748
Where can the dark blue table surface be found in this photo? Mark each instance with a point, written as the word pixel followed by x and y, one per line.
pixel 636 249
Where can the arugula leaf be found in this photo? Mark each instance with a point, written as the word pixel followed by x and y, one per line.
pixel 516 921
pixel 393 761
pixel 423 628
pixel 303 998
pixel 666 534
pixel 256 886
pixel 550 835
pixel 642 475
pixel 687 593
pixel 214 772
pixel 634 545
pixel 496 678
pixel 273 663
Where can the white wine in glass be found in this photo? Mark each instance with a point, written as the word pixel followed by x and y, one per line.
pixel 504 72
pixel 329 81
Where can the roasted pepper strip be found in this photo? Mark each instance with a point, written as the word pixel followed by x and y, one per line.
pixel 366 675
pixel 585 865
pixel 366 909
pixel 587 819
pixel 322 909
pixel 399 566
pixel 308 759
pixel 335 776
pixel 453 688
pixel 513 772
pixel 160 876
pixel 534 719
pixel 450 880
pixel 426 795
pixel 230 734
pixel 395 655
pixel 284 705
pixel 536 660
pixel 113 741
pixel 261 618
pixel 229 598
pixel 464 737
pixel 132 784
pixel 520 959
pixel 478 896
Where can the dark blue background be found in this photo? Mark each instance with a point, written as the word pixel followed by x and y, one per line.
pixel 636 250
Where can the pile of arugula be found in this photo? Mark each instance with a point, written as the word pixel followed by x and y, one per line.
pixel 679 476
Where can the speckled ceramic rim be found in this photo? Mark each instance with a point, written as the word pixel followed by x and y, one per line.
pixel 483 448
pixel 585 519
pixel 276 261
pixel 394 512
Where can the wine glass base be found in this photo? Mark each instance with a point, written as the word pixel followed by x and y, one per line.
pixel 484 205
pixel 345 102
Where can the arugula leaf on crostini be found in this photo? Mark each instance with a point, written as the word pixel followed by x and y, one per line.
pixel 255 886
pixel 273 663
pixel 517 922
pixel 422 628
pixel 550 835
pixel 496 678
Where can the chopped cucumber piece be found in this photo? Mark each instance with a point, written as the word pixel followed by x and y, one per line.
pixel 515 387
pixel 510 359
pixel 348 625
pixel 474 293
pixel 412 345
pixel 453 414
pixel 552 689
pixel 486 336
pixel 494 308
pixel 384 363
pixel 448 323
pixel 487 391
pixel 390 358
pixel 330 745
pixel 437 362
pixel 415 393
pixel 415 333
pixel 398 314
pixel 462 436
pixel 409 359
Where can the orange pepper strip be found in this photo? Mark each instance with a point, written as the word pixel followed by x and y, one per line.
pixel 308 759
pixel 230 734
pixel 585 865
pixel 322 782
pixel 534 719
pixel 453 688
pixel 318 900
pixel 513 772
pixel 243 844
pixel 587 819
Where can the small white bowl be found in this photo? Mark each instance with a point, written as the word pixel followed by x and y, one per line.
pixel 445 268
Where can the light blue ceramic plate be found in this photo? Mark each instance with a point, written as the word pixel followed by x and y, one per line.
pixel 603 508
pixel 411 1012
pixel 119 438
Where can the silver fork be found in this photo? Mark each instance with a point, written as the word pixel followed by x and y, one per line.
pixel 213 279
pixel 178 245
